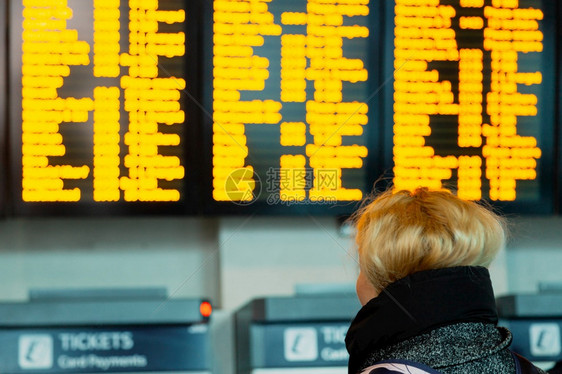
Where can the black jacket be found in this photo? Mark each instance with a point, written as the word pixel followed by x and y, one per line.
pixel 443 318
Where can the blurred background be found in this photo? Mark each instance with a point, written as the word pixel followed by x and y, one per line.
pixel 165 151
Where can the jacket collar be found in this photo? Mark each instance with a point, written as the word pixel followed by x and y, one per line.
pixel 419 303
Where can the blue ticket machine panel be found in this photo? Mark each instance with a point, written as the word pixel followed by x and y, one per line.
pixel 297 335
pixel 535 321
pixel 537 339
pixel 90 343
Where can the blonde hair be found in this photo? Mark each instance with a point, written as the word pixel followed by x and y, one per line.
pixel 400 233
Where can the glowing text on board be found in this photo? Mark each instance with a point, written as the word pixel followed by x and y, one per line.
pixel 50 48
pixel 317 56
pixel 423 36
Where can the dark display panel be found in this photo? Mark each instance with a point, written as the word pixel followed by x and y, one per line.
pixel 290 89
pixel 3 115
pixel 102 124
pixel 279 106
pixel 557 112
pixel 474 99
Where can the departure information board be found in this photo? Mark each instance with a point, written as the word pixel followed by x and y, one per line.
pixel 3 116
pixel 101 114
pixel 290 104
pixel 473 102
pixel 278 106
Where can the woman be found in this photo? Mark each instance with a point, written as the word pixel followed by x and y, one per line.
pixel 425 287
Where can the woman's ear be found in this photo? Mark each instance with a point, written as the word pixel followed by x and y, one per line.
pixel 365 289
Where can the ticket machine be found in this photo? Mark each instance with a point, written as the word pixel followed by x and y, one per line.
pixel 535 321
pixel 294 335
pixel 114 334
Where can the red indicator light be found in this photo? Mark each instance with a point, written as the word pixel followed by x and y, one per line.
pixel 205 308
